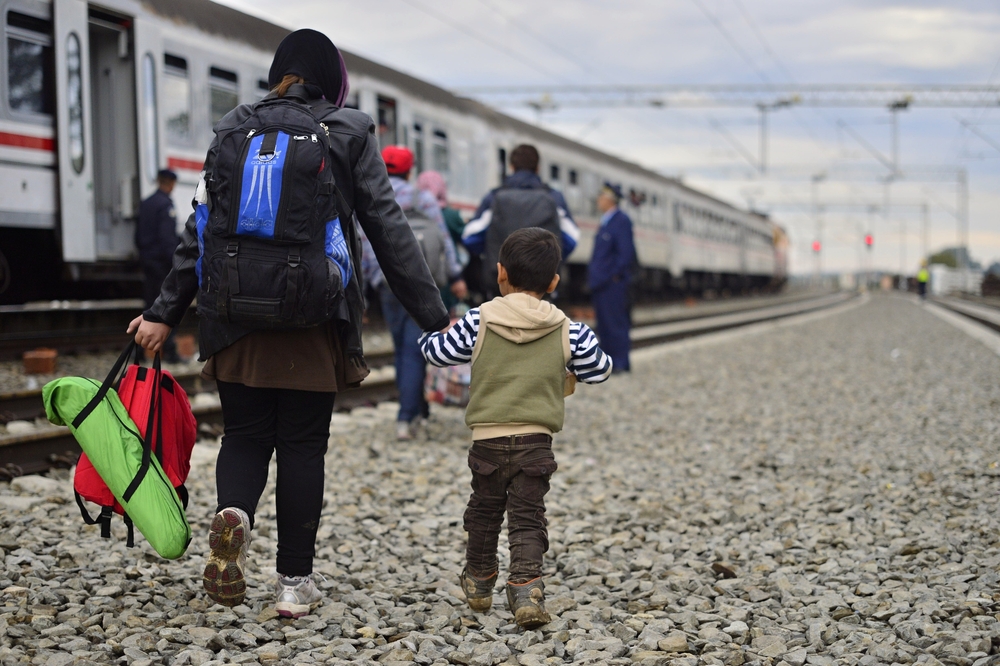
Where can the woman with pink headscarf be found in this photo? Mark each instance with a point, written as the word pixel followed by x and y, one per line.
pixel 433 182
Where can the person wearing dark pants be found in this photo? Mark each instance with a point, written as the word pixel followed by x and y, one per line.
pixel 156 239
pixel 277 385
pixel 411 368
pixel 526 357
pixel 295 425
pixel 610 276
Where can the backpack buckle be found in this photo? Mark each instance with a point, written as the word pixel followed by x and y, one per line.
pixel 294 259
pixel 232 249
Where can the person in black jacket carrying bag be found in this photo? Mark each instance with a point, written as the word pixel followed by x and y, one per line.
pixel 277 386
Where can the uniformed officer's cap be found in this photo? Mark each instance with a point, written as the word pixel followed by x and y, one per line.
pixel 613 190
pixel 166 174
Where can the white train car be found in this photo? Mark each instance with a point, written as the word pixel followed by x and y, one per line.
pixel 98 97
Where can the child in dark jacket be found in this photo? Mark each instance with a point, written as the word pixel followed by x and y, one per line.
pixel 526 356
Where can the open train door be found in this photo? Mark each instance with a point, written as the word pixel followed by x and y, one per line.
pixel 148 47
pixel 73 130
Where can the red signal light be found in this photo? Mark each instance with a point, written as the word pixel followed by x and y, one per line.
pixel 869 240
pixel 817 246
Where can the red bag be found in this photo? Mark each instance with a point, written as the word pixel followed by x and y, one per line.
pixel 173 423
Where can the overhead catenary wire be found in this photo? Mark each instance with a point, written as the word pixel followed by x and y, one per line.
pixel 732 41
pixel 541 39
pixel 468 32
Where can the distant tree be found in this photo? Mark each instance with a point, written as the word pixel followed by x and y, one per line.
pixel 946 257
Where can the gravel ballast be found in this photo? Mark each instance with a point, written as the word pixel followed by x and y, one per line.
pixel 825 493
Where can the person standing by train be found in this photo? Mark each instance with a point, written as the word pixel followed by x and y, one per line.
pixel 609 276
pixel 156 239
pixel 522 201
pixel 277 386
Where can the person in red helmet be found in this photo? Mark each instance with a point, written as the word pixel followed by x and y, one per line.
pixel 424 215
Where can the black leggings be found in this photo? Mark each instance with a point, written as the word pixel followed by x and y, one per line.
pixel 297 425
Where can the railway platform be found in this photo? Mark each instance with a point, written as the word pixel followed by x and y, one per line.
pixel 820 489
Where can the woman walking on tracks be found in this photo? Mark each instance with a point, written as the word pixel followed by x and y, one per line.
pixel 273 255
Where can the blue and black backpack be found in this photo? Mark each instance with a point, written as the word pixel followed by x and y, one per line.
pixel 273 252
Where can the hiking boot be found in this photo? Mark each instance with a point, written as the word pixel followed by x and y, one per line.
pixel 527 602
pixel 478 591
pixel 296 595
pixel 229 539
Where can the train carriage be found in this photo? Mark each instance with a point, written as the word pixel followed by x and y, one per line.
pixel 99 97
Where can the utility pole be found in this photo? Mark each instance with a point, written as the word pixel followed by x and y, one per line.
pixel 894 108
pixel 764 109
pixel 925 231
pixel 818 217
pixel 963 215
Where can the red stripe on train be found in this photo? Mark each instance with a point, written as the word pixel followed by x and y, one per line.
pixel 187 165
pixel 25 141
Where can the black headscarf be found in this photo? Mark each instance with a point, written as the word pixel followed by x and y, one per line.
pixel 311 55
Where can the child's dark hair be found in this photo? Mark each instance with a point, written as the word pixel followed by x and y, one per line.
pixel 531 258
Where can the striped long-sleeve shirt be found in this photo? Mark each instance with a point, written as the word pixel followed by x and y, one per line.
pixel 454 347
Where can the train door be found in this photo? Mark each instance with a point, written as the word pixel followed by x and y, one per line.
pixel 75 142
pixel 97 130
pixel 113 126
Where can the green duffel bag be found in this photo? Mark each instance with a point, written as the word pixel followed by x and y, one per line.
pixel 102 426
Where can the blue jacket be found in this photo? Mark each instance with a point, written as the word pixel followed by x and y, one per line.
pixel 474 234
pixel 156 233
pixel 614 252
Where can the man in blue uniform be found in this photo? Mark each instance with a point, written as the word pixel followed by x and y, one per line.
pixel 156 238
pixel 609 276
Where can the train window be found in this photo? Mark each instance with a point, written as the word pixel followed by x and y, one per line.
pixel 74 95
pixel 352 101
pixel 418 147
pixel 224 93
pixel 656 201
pixel 30 67
pixel 262 87
pixel 571 175
pixel 502 155
pixel 149 130
pixel 554 172
pixel 439 152
pixel 176 98
pixel 386 121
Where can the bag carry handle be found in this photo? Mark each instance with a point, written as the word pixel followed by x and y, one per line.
pixel 155 412
pixel 113 376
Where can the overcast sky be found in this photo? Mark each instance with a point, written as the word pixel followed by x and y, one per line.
pixel 455 43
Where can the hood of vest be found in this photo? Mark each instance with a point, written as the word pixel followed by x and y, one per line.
pixel 521 318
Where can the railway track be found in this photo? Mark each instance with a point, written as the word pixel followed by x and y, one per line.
pixel 980 310
pixel 39 448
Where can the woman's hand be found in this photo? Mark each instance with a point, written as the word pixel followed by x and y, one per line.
pixel 148 334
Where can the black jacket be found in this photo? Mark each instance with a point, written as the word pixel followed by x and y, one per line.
pixel 156 232
pixel 361 177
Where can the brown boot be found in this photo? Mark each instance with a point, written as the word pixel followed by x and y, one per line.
pixel 478 591
pixel 527 603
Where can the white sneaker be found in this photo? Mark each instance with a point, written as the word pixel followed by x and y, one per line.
pixel 296 595
pixel 229 538
pixel 403 431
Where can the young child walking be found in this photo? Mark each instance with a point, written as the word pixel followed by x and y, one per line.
pixel 526 357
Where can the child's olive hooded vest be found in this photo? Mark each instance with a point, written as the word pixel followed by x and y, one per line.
pixel 518 368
